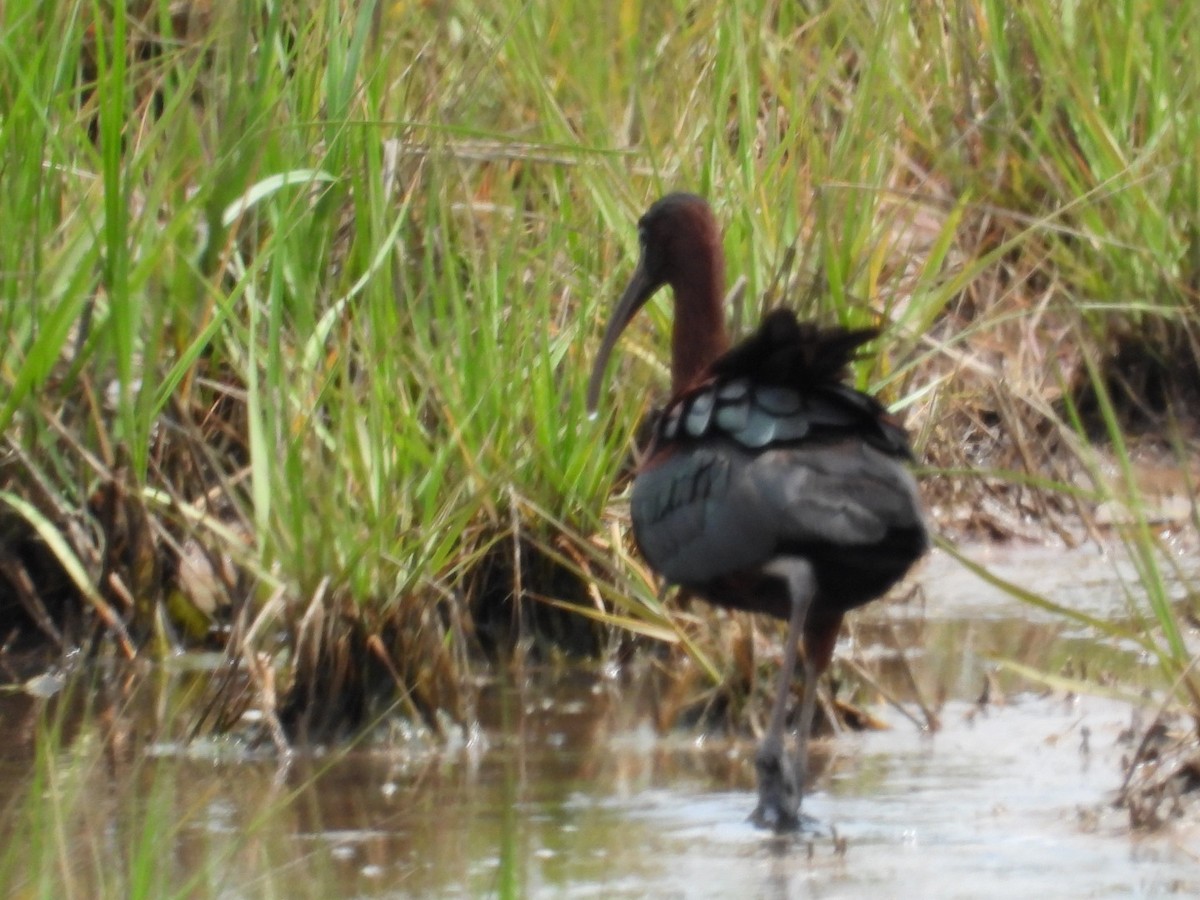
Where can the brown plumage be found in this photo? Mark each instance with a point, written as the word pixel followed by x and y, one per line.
pixel 771 485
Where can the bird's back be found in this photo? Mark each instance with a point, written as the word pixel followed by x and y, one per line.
pixel 772 455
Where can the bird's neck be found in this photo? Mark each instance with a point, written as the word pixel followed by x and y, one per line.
pixel 698 336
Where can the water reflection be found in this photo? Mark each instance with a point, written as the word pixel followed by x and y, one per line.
pixel 570 792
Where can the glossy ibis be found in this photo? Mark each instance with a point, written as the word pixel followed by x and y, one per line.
pixel 770 485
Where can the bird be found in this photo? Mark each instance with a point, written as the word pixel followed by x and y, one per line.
pixel 769 484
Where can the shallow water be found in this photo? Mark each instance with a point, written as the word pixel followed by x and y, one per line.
pixel 566 790
pixel 1000 804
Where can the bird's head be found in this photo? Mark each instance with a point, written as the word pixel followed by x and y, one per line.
pixel 680 245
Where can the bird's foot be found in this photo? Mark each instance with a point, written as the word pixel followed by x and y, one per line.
pixel 779 789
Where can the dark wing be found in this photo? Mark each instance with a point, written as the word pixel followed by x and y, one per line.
pixel 773 455
pixel 783 385
pixel 719 508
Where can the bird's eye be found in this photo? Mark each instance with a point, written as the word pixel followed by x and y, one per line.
pixel 642 235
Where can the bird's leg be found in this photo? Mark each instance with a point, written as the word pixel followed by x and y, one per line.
pixel 780 781
pixel 808 702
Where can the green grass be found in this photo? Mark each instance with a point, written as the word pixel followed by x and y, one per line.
pixel 309 292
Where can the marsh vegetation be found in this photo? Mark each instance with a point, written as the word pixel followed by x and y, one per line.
pixel 299 303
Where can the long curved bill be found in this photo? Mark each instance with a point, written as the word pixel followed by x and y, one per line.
pixel 641 288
